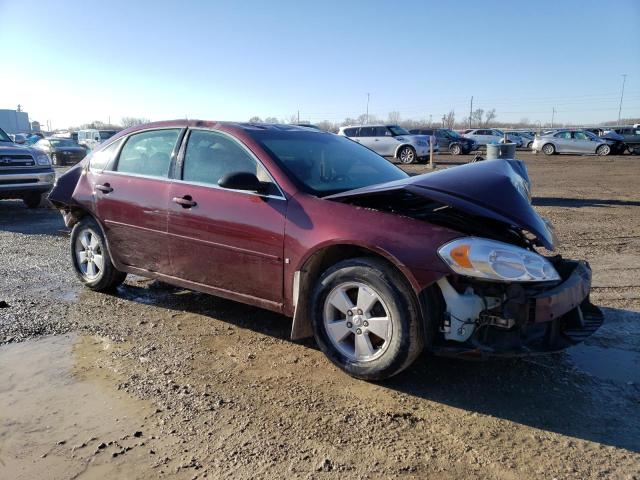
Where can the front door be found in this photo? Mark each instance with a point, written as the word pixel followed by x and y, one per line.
pixel 582 143
pixel 226 239
pixel 132 199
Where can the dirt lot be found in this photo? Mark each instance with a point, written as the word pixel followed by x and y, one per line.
pixel 154 382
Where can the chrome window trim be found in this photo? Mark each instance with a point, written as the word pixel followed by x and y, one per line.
pixel 183 152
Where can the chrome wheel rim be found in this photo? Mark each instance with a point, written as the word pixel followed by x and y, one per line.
pixel 455 149
pixel 89 256
pixel 406 155
pixel 357 321
pixel 548 149
pixel 604 150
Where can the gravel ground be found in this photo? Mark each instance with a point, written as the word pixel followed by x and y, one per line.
pixel 227 395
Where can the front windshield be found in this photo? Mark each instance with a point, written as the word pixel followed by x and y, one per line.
pixel 4 137
pixel 451 133
pixel 323 163
pixel 396 130
pixel 63 142
pixel 104 134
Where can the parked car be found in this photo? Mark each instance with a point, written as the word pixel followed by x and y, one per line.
pixel 448 140
pixel 631 136
pixel 61 151
pixel 484 136
pixel 377 265
pixel 390 141
pixel 525 139
pixel 92 137
pixel 567 141
pixel 25 173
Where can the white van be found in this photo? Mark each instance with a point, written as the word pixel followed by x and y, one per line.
pixel 92 137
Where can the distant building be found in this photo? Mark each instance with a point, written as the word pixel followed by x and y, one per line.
pixel 13 121
pixel 35 126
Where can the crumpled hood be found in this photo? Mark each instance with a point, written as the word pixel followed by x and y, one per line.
pixel 496 189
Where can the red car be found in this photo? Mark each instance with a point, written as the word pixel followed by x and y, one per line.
pixel 377 265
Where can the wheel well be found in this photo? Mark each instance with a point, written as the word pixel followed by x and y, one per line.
pixel 311 270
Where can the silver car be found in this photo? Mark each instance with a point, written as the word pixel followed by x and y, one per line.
pixel 567 141
pixel 390 141
pixel 484 136
pixel 525 138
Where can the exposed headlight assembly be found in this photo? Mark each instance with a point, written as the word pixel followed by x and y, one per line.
pixel 42 158
pixel 498 261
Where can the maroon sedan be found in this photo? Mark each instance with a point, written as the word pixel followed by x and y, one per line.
pixel 377 265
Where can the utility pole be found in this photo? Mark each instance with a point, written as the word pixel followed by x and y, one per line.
pixel 553 116
pixel 430 120
pixel 298 116
pixel 624 79
pixel 367 109
pixel 470 111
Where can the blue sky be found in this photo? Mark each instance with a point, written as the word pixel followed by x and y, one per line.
pixel 72 62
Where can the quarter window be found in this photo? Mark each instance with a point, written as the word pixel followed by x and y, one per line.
pixel 148 153
pixel 351 132
pixel 211 155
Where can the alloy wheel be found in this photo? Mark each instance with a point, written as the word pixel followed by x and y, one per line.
pixel 357 321
pixel 407 155
pixel 89 255
pixel 603 150
pixel 548 149
pixel 456 150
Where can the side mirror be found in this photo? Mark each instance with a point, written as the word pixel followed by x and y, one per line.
pixel 241 181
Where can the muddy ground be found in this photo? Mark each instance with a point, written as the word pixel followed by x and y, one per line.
pixel 154 382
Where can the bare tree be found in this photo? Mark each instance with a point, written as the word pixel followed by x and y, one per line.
pixel 293 118
pixel 255 119
pixel 450 119
pixel 393 117
pixel 490 116
pixel 127 122
pixel 476 116
pixel 271 120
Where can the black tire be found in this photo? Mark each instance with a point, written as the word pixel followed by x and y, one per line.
pixel 33 200
pixel 108 277
pixel 406 341
pixel 455 149
pixel 548 149
pixel 603 150
pixel 529 144
pixel 407 155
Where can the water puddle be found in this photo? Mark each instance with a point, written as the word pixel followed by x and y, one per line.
pixel 62 417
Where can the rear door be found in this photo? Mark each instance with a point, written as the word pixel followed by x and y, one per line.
pixel 230 240
pixel 132 197
pixel 563 142
pixel 366 137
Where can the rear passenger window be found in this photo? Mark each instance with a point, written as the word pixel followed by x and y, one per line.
pixel 148 153
pixel 211 155
pixel 102 158
pixel 367 131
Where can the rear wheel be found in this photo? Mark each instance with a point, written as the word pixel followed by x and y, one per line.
pixel 529 145
pixel 91 259
pixel 455 149
pixel 549 149
pixel 365 319
pixel 32 200
pixel 407 155
pixel 603 150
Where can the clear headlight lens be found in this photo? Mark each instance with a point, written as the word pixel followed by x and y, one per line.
pixel 42 158
pixel 492 260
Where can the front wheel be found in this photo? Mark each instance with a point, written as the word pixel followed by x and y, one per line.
pixel 365 319
pixel 455 149
pixel 603 150
pixel 549 149
pixel 407 155
pixel 91 259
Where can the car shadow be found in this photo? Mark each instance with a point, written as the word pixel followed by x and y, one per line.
pixel 582 202
pixel 551 392
pixel 16 218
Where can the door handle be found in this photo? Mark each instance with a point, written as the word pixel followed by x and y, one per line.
pixel 106 188
pixel 185 201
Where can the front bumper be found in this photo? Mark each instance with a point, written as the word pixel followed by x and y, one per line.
pixel 536 320
pixel 14 184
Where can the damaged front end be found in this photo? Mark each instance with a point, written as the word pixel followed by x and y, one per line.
pixel 502 297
